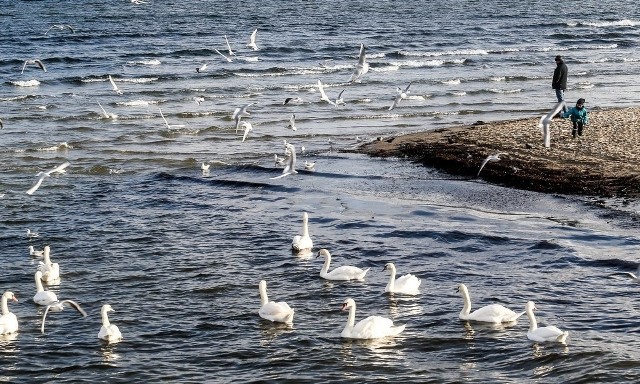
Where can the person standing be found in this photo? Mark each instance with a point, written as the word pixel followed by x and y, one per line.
pixel 579 117
pixel 559 82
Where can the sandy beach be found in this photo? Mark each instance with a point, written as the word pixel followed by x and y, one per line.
pixel 604 161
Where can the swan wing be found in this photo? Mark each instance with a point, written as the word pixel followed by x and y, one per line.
pixel 549 333
pixel 346 272
pixel 493 313
pixel 407 283
pixel 75 306
pixel 374 327
pixel 8 323
pixel 280 311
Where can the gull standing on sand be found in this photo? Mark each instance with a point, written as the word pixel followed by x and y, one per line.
pixel 60 27
pixel 115 87
pixel 252 40
pixel 402 94
pixel 323 96
pixel 239 113
pixel 33 62
pixel 292 123
pixel 362 67
pixel 42 175
pixel 247 128
pixel 231 53
pixel 222 54
pixel 489 158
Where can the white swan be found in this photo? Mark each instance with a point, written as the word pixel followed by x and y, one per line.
pixel 108 332
pixel 549 333
pixel 493 313
pixel 303 244
pixel 59 307
pixel 50 271
pixel 342 273
pixel 373 327
pixel 43 297
pixel 270 310
pixel 8 321
pixel 407 284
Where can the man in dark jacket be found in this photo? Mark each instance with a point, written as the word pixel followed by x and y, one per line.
pixel 559 82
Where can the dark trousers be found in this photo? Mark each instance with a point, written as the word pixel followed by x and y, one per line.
pixel 577 128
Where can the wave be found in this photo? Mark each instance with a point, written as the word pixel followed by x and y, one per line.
pixel 145 62
pixel 457 52
pixel 59 147
pixel 25 83
pixel 137 103
pixel 602 24
pixel 451 82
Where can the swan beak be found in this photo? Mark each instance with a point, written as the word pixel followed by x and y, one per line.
pixel 14 299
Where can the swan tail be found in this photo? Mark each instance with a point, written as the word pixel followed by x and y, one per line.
pixel 518 315
pixel 394 331
pixel 361 277
pixel 563 337
pixel 289 318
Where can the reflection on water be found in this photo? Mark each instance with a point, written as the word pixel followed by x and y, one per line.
pixel 269 331
pixel 109 352
pixel 382 351
pixel 401 305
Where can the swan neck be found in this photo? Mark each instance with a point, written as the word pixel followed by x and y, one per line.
pixel 392 279
pixel 305 226
pixel 533 324
pixel 39 287
pixel 105 318
pixel 466 309
pixel 352 316
pixel 264 299
pixel 5 308
pixel 325 266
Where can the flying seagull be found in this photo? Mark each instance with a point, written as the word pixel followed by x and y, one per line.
pixel 323 96
pixel 42 175
pixel 222 54
pixel 35 62
pixel 59 306
pixel 340 100
pixel 362 67
pixel 115 87
pixel 247 128
pixel 202 68
pixel 60 27
pixel 292 123
pixel 290 168
pixel 239 113
pixel 291 100
pixel 252 40
pixel 402 94
pixel 489 158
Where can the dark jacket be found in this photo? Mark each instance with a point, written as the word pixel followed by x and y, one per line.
pixel 560 76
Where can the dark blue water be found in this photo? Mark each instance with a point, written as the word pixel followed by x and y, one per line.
pixel 178 254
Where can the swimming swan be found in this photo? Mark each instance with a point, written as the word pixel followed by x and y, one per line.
pixel 303 244
pixel 549 333
pixel 373 327
pixel 270 310
pixel 108 332
pixel 493 313
pixel 342 273
pixel 8 321
pixel 50 271
pixel 43 297
pixel 407 284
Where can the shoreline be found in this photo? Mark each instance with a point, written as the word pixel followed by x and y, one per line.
pixel 604 161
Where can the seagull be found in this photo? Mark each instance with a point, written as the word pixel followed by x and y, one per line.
pixel 167 124
pixel 309 166
pixel 545 122
pixel 107 115
pixel 290 168
pixel 205 167
pixel 279 160
pixel 340 100
pixel 489 158
pixel 32 235
pixel 222 54
pixel 361 68
pixel 229 46
pixel 198 99
pixel 323 96
pixel 291 99
pixel 247 128
pixel 402 94
pixel 42 175
pixel 238 113
pixel 252 40
pixel 115 171
pixel 60 27
pixel 59 306
pixel 35 62
pixel 292 122
pixel 33 252
pixel 115 87
pixel 202 68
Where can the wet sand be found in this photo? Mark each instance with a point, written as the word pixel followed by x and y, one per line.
pixel 604 161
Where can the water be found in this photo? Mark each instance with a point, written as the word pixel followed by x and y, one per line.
pixel 179 254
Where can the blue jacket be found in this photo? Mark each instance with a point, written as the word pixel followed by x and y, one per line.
pixel 577 115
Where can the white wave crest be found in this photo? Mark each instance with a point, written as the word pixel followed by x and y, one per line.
pixel 459 93
pixel 497 78
pixel 617 23
pixel 388 68
pixel 145 62
pixel 496 90
pixel 458 52
pixel 139 80
pixel 60 147
pixel 26 83
pixel 451 82
pixel 136 103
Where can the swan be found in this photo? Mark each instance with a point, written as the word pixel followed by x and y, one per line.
pixel 270 310
pixel 50 271
pixel 8 321
pixel 549 333
pixel 373 327
pixel 407 284
pixel 43 297
pixel 342 273
pixel 59 307
pixel 303 244
pixel 108 332
pixel 493 313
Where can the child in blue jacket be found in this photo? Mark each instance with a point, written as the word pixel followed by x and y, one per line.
pixel 579 117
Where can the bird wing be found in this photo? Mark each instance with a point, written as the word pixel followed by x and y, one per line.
pixel 483 164
pixel 41 65
pixel 103 111
pixel 37 184
pixel 70 28
pixel 221 54
pixel 113 84
pixel 165 120
pixel 395 102
pixel 44 317
pixel 1 126
pixel 361 57
pixel 75 306
pixel 247 127
pixel 24 66
pixel 407 89
pixel 323 95
pixel 228 46
pixel 59 169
